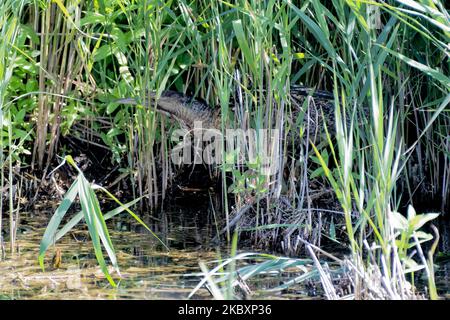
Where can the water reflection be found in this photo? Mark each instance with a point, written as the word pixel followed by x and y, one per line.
pixel 147 270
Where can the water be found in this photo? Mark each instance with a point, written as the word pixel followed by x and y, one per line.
pixel 147 270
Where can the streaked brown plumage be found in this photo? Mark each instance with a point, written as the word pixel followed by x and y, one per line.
pixel 183 108
pixel 187 110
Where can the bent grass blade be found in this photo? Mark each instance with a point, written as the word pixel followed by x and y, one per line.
pixel 94 218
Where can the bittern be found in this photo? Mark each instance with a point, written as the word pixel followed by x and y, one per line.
pixel 188 110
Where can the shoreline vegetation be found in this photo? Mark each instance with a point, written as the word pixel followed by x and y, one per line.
pixel 336 114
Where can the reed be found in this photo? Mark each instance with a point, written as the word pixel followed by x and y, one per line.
pixel 10 142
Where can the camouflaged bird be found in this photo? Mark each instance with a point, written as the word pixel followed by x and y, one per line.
pixel 187 110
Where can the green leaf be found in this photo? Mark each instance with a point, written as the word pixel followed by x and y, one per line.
pixel 77 218
pixel 49 234
pixel 103 52
pixel 398 221
pixel 30 33
pixel 317 173
pixel 92 18
pixel 435 74
pixel 332 230
pixel 243 44
pixel 419 220
pixel 89 208
pixel 411 212
pixel 111 107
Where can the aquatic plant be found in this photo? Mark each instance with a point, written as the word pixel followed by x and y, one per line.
pixel 92 215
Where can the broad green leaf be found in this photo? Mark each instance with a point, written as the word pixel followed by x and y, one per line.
pixel 411 212
pixel 49 235
pixel 92 18
pixel 103 52
pixel 111 107
pixel 77 218
pixel 399 221
pixel 88 209
pixel 29 31
pixel 419 220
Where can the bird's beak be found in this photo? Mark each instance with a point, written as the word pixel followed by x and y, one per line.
pixel 126 101
pixel 136 100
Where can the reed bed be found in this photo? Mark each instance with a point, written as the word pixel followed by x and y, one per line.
pixel 357 179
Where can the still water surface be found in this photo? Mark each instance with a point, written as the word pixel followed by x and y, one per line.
pixel 147 270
